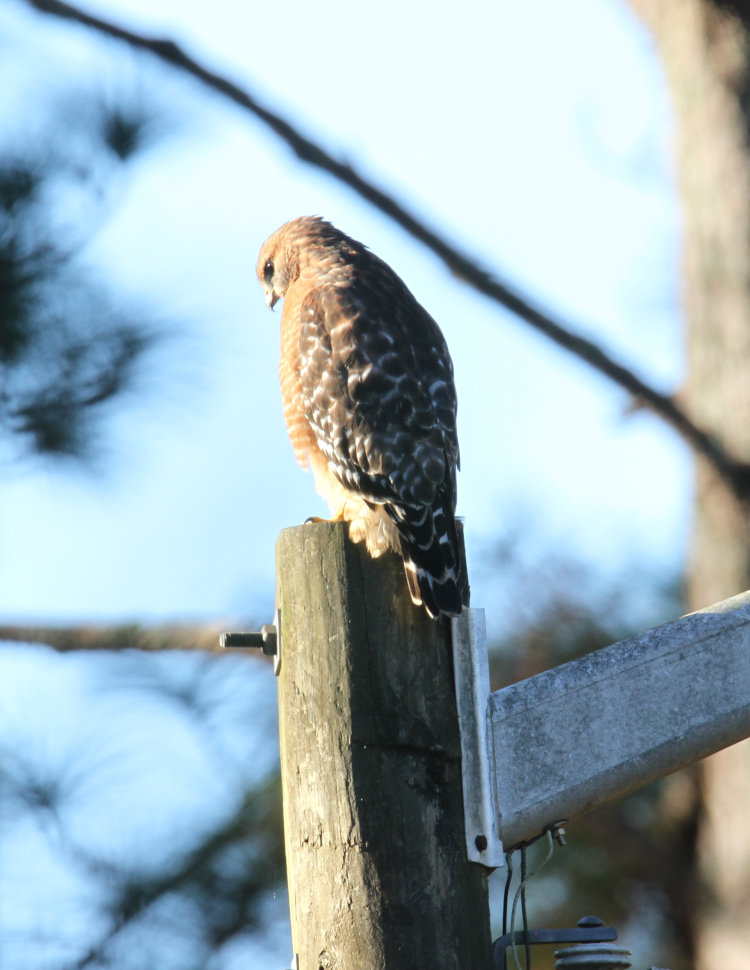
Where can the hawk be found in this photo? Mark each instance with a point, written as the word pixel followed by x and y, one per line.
pixel 369 401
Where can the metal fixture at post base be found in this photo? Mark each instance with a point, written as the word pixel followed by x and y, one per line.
pixel 589 932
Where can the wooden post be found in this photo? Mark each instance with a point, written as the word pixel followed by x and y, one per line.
pixel 371 773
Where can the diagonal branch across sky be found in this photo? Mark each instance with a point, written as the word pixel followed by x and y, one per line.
pixel 735 473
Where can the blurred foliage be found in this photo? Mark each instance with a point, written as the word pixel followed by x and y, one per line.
pixel 217 887
pixel 69 348
pixel 69 345
pixel 169 836
pixel 203 896
pixel 632 863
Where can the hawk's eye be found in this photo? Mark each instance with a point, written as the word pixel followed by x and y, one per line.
pixel 268 271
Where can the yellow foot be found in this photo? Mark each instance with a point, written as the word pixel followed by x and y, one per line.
pixel 339 517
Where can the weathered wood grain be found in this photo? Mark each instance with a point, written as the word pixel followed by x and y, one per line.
pixel 370 757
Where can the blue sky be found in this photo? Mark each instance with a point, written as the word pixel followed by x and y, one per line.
pixel 536 137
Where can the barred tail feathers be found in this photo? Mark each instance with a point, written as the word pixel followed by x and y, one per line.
pixel 429 547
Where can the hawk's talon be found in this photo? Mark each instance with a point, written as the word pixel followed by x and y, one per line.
pixel 314 519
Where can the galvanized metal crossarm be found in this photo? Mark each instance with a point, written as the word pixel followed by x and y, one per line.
pixel 572 738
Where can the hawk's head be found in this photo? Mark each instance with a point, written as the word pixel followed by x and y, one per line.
pixel 298 244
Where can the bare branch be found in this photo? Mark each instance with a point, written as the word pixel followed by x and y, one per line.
pixel 117 637
pixel 735 473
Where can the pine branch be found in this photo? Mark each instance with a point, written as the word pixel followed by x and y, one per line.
pixel 736 474
pixel 235 893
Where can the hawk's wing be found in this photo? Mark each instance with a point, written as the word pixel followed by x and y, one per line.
pixel 377 388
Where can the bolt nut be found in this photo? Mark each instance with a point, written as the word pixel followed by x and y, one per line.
pixel 558 832
pixel 589 922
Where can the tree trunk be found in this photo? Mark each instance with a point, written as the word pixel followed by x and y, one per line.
pixel 705 50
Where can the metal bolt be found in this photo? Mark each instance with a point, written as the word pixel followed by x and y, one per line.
pixel 558 833
pixel 266 640
pixel 240 640
pixel 481 842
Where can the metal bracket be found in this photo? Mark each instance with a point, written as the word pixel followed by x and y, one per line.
pixel 472 676
pixel 589 932
pixel 268 640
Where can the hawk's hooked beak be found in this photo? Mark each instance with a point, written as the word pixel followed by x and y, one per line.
pixel 271 299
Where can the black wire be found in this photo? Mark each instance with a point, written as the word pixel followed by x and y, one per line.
pixel 506 894
pixel 526 941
